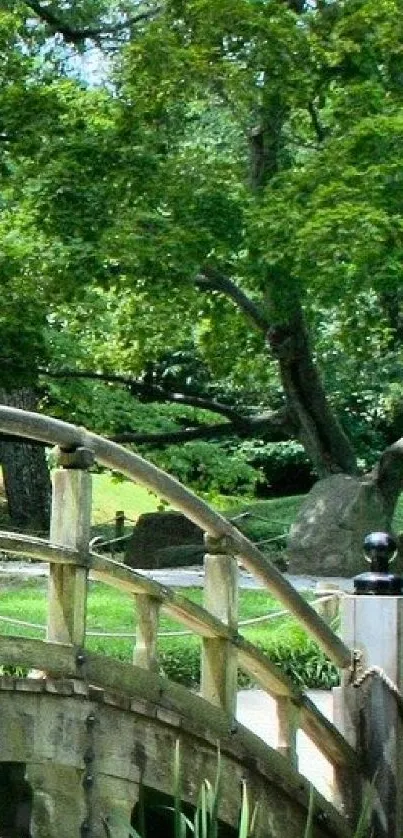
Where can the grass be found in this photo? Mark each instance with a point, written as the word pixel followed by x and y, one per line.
pixel 111 494
pixel 265 519
pixel 112 610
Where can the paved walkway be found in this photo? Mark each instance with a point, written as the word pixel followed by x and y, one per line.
pixel 191 577
pixel 257 711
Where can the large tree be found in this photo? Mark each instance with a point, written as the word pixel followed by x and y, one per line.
pixel 237 182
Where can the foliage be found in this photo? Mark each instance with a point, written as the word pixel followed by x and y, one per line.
pixel 183 821
pixel 296 655
pixel 258 141
pixel 301 659
pixel 284 466
pixel 208 468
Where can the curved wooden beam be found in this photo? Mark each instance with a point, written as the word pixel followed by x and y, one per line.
pixel 54 431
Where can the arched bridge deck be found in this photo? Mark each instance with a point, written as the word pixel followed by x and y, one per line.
pixel 90 729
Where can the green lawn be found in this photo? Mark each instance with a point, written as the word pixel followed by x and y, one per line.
pixel 266 518
pixel 109 610
pixel 111 494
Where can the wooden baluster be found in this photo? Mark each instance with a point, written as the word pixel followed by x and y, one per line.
pixel 219 656
pixel 287 717
pixel 70 527
pixel 146 649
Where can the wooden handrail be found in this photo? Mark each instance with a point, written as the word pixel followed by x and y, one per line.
pixel 55 432
pixel 224 649
pixel 30 652
pixel 41 550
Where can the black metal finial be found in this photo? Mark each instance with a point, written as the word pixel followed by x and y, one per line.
pixel 380 548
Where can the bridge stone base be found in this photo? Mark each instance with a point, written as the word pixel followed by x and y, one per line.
pixel 86 752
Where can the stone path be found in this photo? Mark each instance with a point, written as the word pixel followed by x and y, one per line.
pixel 191 577
pixel 257 711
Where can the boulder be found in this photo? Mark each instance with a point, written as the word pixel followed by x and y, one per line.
pixel 164 539
pixel 327 536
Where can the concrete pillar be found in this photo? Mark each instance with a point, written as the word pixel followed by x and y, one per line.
pixel 368 715
pixel 113 802
pixel 58 802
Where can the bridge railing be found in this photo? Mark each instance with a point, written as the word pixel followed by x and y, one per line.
pixel 224 649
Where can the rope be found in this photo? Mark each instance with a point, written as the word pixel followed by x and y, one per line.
pixel 16 622
pixel 374 672
pixel 183 633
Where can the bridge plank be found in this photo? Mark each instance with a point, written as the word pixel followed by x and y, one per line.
pixel 57 659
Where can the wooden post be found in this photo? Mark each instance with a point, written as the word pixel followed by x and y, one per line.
pixel 327 604
pixel 287 718
pixel 146 651
pixel 219 670
pixel 70 527
pixel 119 524
pixel 368 714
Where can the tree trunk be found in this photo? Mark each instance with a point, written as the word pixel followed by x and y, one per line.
pixel 25 472
pixel 316 425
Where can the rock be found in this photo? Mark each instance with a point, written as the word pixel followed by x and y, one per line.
pixel 327 535
pixel 164 539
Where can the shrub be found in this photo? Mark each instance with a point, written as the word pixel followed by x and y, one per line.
pixel 208 467
pixel 284 466
pixel 299 657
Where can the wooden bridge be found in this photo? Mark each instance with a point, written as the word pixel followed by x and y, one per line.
pixel 90 730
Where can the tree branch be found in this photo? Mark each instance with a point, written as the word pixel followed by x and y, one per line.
pixel 160 440
pixel 75 35
pixel 152 392
pixel 320 131
pixel 211 280
pixel 274 426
